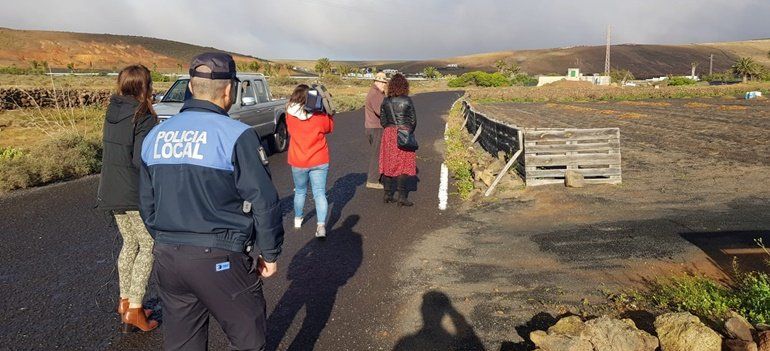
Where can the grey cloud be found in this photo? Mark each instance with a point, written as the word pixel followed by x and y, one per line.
pixel 398 29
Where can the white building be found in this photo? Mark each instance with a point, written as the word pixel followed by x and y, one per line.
pixel 574 75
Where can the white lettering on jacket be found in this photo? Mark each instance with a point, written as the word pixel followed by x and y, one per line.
pixel 179 144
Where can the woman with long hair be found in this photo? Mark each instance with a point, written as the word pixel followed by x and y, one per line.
pixel 308 156
pixel 397 163
pixel 129 118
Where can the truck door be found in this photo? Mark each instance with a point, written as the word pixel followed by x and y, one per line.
pixel 245 107
pixel 266 119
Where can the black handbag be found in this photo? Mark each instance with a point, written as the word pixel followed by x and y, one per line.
pixel 405 139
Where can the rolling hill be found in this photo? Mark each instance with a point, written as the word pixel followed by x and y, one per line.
pixel 644 61
pixel 98 51
pixel 108 52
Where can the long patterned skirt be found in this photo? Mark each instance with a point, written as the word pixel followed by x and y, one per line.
pixel 394 161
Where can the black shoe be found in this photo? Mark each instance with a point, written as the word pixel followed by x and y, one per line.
pixel 405 203
pixel 388 199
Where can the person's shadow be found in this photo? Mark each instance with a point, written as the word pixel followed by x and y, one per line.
pixel 316 272
pixel 432 336
pixel 342 191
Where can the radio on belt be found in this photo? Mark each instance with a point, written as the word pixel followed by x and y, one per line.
pixel 263 156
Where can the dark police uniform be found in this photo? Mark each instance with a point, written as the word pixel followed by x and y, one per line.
pixel 208 200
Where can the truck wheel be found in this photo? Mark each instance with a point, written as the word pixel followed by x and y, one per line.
pixel 280 137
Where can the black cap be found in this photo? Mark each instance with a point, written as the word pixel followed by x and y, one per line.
pixel 221 64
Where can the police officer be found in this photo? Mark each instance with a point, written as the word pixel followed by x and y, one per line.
pixel 207 198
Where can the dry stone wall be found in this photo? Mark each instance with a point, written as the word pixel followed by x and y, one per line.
pixel 15 98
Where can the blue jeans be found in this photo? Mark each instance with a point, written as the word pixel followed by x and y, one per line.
pixel 317 177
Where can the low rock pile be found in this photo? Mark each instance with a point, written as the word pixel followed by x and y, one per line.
pixel 14 98
pixel 674 332
pixel 486 168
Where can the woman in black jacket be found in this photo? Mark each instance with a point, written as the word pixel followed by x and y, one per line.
pixel 397 165
pixel 129 118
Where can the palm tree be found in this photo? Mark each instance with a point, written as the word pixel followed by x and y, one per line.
pixel 430 72
pixel 344 70
pixel 501 66
pixel 323 66
pixel 746 67
pixel 268 69
pixel 514 69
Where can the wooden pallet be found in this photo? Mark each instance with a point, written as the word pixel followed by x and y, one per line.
pixel 550 152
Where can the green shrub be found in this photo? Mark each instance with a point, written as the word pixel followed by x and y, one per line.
pixel 708 299
pixel 68 157
pixel 10 153
pixel 698 295
pixel 480 79
pixel 720 77
pixel 679 81
pixel 457 155
pixel 752 291
pixel 523 80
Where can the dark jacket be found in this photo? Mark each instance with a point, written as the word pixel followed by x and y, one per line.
pixel 398 111
pixel 121 158
pixel 203 183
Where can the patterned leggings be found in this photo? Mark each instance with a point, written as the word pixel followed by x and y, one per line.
pixel 135 259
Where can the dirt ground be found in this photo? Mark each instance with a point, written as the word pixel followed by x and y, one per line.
pixel 694 196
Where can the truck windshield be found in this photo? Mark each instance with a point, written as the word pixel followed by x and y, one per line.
pixel 178 91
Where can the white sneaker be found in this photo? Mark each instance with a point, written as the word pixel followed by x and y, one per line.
pixel 297 222
pixel 320 232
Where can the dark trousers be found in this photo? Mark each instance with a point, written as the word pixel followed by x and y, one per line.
pixel 375 139
pixel 194 282
pixel 391 184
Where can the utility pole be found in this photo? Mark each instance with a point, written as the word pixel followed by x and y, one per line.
pixel 607 55
pixel 711 65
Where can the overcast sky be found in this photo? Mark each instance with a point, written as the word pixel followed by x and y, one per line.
pixel 397 29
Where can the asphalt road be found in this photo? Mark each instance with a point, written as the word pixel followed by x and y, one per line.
pixel 58 283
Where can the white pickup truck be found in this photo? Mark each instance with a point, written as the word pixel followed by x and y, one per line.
pixel 254 106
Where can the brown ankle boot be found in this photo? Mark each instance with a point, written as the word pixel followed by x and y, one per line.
pixel 123 307
pixel 135 317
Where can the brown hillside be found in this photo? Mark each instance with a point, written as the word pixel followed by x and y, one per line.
pixel 97 51
pixel 644 61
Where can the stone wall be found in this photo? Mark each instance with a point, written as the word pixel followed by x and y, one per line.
pixel 14 98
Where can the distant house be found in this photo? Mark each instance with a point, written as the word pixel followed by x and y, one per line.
pixel 390 71
pixel 453 66
pixel 574 75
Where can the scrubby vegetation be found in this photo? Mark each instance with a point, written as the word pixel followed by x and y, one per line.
pixel 68 157
pixel 587 92
pixel 497 79
pixel 747 293
pixel 705 297
pixel 45 145
pixel 679 81
pixel 457 154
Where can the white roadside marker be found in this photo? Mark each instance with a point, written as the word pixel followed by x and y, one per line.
pixel 442 188
pixel 444 183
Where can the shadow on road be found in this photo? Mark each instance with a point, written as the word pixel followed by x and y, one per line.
pixel 723 247
pixel 341 192
pixel 316 272
pixel 433 336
